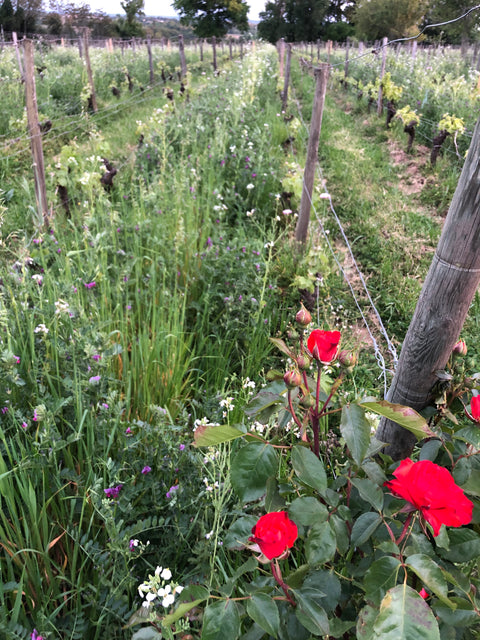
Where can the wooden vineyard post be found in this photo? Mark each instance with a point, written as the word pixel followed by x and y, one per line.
pixel 345 68
pixel 287 77
pixel 183 62
pixel 230 49
pixel 34 132
pixel 281 57
pixel 89 71
pixel 214 50
pixel 150 60
pixel 382 73
pixel 17 53
pixel 321 78
pixel 442 307
pixel 200 44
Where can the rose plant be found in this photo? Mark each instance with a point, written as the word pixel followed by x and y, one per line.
pixel 332 538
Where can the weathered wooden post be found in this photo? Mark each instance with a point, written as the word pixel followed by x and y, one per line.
pixel 345 67
pixel 89 71
pixel 183 62
pixel 382 73
pixel 287 77
pixel 442 307
pixel 214 50
pixel 321 79
pixel 281 57
pixel 17 53
pixel 150 60
pixel 34 132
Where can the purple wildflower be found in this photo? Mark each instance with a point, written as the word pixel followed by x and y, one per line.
pixel 96 357
pixel 90 285
pixel 171 491
pixel 181 447
pixel 35 635
pixel 146 469
pixel 113 492
pixel 94 379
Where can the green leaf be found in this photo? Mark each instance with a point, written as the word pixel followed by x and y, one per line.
pixel 308 468
pixel 369 491
pixel 239 532
pixel 472 485
pixel 296 578
pixel 321 544
pixel 341 533
pixel 327 583
pixel 339 627
pixel 407 417
pixel 404 615
pixel 463 616
pixel 365 622
pixel 264 611
pixel 180 611
pixel 364 527
pixel 469 434
pixel 273 499
pixel 267 400
pixel 355 429
pixel 221 620
pixel 464 545
pixel 380 577
pixel 311 614
pixel 307 511
pixel 280 344
pixel 431 575
pixel 209 436
pixel 147 633
pixel 250 469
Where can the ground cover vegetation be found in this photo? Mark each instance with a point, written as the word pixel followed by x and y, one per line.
pixel 148 426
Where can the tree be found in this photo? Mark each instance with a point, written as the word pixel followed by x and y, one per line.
pixel 460 31
pixel 213 17
pixel 273 23
pixel 7 16
pixel 130 27
pixel 375 19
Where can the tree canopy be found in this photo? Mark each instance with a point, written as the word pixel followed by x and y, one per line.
pixel 375 19
pixel 213 17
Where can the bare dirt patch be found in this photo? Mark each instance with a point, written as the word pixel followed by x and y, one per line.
pixel 412 179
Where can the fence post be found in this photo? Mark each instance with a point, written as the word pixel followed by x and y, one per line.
pixel 17 53
pixel 448 290
pixel 382 73
pixel 34 132
pixel 345 68
pixel 214 49
pixel 89 71
pixel 150 60
pixel 281 57
pixel 321 78
pixel 287 76
pixel 181 50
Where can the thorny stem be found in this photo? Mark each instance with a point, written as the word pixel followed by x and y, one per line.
pixel 292 410
pixel 404 530
pixel 277 574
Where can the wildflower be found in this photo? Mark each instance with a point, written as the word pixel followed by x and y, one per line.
pixel 171 492
pixel 94 379
pixel 41 328
pixel 35 635
pixel 146 469
pixel 61 307
pixel 90 285
pixel 323 345
pixel 96 357
pixel 113 492
pixel 128 431
pixel 24 425
pixel 133 544
pixel 37 278
pixel 274 534
pixel 431 489
pixel 250 186
pixel 181 447
pixel 209 535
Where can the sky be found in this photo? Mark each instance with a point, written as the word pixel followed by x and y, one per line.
pixel 162 7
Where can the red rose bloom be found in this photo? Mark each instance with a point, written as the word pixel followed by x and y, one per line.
pixel 323 345
pixel 432 490
pixel 274 533
pixel 475 407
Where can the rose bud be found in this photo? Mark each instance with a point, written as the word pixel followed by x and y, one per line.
pixel 475 408
pixel 423 593
pixel 303 362
pixel 303 317
pixel 460 349
pixel 347 359
pixel 292 379
pixel 274 534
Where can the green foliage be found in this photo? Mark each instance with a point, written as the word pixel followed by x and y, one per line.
pixel 376 19
pixel 214 19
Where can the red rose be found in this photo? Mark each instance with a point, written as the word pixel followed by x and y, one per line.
pixel 323 345
pixel 432 490
pixel 475 408
pixel 274 533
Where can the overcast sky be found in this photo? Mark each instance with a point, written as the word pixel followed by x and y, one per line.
pixel 162 7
